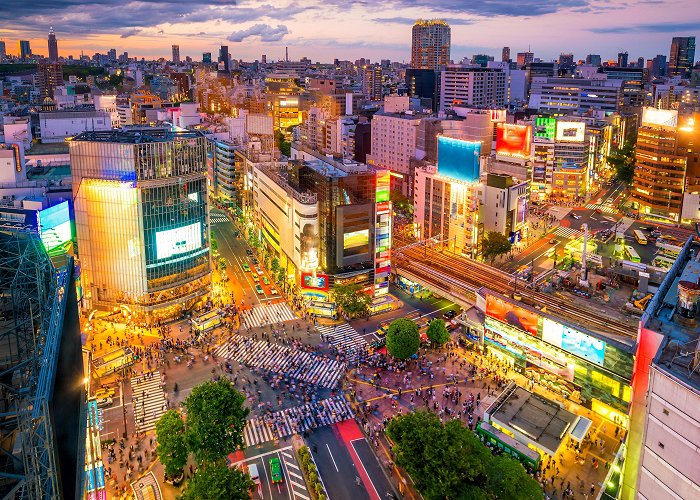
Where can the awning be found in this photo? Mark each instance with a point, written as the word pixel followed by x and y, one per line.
pixel 580 428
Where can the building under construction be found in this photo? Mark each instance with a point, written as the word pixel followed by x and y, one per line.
pixel 40 364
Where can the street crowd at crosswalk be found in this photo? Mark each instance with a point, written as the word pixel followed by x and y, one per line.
pixel 567 232
pixel 296 419
pixel 343 336
pixel 266 315
pixel 148 400
pixel 306 366
pixel 603 208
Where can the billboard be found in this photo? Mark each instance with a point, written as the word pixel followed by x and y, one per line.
pixel 573 341
pixel 498 115
pixel 178 241
pixel 458 159
pixel 513 140
pixel 516 316
pixel 54 226
pixel 356 239
pixel 545 126
pixel 383 186
pixel 662 117
pixel 571 131
pixel 318 282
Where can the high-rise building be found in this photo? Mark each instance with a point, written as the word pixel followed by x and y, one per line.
pixel 682 57
pixel 50 76
pixel 206 58
pixel 622 59
pixel 472 87
pixel 430 47
pixel 24 49
pixel 141 223
pixel 566 62
pixel 525 58
pixel 594 59
pixel 372 82
pixel 224 59
pixel 505 54
pixel 176 54
pixel 575 95
pixel 112 54
pixel 3 51
pixel 53 46
pixel 263 59
pixel 659 66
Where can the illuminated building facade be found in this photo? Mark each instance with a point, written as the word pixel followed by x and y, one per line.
pixel 430 47
pixel 682 56
pixel 283 102
pixel 472 87
pixel 141 210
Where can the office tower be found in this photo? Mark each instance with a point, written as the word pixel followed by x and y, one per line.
pixel 24 49
pixel 53 46
pixel 112 54
pixel 566 62
pixel 640 62
pixel 206 58
pixel 664 143
pixel 505 54
pixel 423 83
pixel 142 223
pixel 372 82
pixel 682 57
pixel 264 59
pixel 524 58
pixel 430 47
pixel 224 60
pixel 622 59
pixel 50 76
pixel 594 59
pixel 481 59
pixel 472 87
pixel 176 54
pixel 575 95
pixel 3 52
pixel 658 65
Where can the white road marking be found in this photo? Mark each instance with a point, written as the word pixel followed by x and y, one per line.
pixel 331 454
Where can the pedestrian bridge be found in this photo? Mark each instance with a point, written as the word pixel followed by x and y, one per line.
pixel 449 287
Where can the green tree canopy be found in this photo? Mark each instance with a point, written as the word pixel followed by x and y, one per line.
pixel 623 161
pixel 495 244
pixel 507 478
pixel 172 444
pixel 215 420
pixel 352 300
pixel 214 481
pixel 402 338
pixel 437 332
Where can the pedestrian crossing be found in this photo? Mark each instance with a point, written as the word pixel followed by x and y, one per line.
pixel 148 400
pixel 301 365
pixel 217 218
pixel 296 480
pixel 603 208
pixel 567 232
pixel 297 419
pixel 266 314
pixel 343 336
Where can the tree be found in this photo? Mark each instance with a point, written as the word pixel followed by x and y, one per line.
pixel 437 332
pixel 215 420
pixel 495 244
pixel 253 238
pixel 274 265
pixel 622 160
pixel 213 481
pixel 402 338
pixel 507 478
pixel 352 300
pixel 283 145
pixel 401 203
pixel 172 443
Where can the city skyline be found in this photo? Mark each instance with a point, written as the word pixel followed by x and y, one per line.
pixel 251 29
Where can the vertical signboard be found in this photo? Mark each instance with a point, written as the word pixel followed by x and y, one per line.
pixel 382 234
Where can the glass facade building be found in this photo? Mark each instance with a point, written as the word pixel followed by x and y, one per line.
pixel 141 210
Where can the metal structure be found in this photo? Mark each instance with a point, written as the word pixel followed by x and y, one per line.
pixel 33 296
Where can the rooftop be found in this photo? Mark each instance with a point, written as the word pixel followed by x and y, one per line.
pixel 137 135
pixel 54 148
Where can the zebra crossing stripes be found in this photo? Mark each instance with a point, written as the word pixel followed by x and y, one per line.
pixel 296 480
pixel 344 336
pixel 567 232
pixel 267 314
pixel 603 208
pixel 217 218
pixel 301 365
pixel 296 419
pixel 148 400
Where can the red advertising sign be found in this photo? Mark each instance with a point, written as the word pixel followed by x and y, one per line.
pixel 513 140
pixel 318 282
pixel 516 316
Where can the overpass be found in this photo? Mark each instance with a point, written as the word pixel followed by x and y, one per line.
pixel 446 286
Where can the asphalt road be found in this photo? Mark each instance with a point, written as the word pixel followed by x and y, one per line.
pixel 292 484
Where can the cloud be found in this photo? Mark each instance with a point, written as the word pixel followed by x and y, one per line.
pixel 482 8
pixel 266 33
pixel 453 21
pixel 661 27
pixel 128 33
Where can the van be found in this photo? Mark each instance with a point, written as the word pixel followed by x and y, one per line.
pixel 253 472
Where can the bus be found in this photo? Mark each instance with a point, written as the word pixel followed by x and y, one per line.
pixel 113 361
pixel 207 321
pixel 639 236
pixel 497 439
pixel 632 254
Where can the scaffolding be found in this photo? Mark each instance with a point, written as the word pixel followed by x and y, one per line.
pixel 33 296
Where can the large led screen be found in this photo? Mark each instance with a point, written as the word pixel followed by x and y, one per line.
pixel 54 226
pixel 356 239
pixel 663 117
pixel 320 281
pixel 458 159
pixel 513 140
pixel 179 240
pixel 545 126
pixel 573 341
pixel 571 131
pixel 513 315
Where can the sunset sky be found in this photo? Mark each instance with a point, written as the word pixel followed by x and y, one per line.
pixel 347 29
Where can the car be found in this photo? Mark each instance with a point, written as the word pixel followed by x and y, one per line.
pixel 106 392
pixel 450 314
pixel 255 277
pixel 265 280
pixel 383 328
pixel 258 269
pixel 553 241
pixel 276 470
pixel 249 252
pixel 259 289
pixel 598 211
pixel 574 216
pixel 104 402
pixel 246 267
pixel 254 261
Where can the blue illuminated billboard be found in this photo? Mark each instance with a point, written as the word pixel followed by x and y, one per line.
pixel 55 226
pixel 458 159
